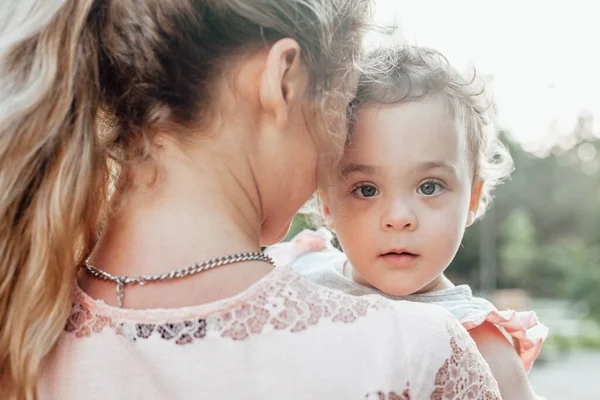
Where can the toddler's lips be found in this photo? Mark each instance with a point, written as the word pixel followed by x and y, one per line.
pixel 401 259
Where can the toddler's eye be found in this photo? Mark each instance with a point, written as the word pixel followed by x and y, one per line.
pixel 430 188
pixel 366 191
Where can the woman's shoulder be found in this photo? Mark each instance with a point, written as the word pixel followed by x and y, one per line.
pixel 282 300
pixel 299 329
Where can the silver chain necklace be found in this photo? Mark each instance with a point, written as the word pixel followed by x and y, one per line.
pixel 192 269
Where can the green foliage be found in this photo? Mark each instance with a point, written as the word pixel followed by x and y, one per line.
pixel 582 283
pixel 565 343
pixel 548 225
pixel 518 254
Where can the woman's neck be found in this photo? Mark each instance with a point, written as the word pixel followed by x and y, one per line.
pixel 192 213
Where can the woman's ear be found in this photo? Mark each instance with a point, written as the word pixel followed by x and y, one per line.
pixel 283 81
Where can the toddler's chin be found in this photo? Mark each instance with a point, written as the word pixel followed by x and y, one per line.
pixel 400 292
pixel 395 290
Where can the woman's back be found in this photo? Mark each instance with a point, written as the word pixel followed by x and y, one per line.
pixel 334 346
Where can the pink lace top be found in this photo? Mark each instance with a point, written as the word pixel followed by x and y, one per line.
pixel 283 338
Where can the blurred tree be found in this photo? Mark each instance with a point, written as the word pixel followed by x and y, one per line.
pixel 582 283
pixel 519 250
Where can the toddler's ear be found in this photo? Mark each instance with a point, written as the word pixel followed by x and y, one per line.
pixel 475 200
pixel 470 218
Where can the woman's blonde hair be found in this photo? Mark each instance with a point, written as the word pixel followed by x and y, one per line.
pixel 408 73
pixel 83 84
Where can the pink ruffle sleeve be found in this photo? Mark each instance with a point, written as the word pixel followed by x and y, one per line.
pixel 526 332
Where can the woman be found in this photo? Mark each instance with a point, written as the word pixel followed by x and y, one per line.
pixel 141 137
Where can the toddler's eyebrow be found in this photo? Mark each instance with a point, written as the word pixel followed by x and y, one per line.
pixel 362 168
pixel 428 166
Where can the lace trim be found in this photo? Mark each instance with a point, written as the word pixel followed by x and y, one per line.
pixel 465 374
pixel 405 395
pixel 287 302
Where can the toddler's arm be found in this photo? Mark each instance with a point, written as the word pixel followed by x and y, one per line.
pixel 504 362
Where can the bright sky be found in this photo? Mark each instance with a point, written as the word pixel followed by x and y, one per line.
pixel 544 56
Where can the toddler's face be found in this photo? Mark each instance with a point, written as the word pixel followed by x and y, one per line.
pixel 403 196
